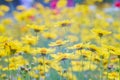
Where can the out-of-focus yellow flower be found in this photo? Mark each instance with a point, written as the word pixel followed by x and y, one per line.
pixel 7 21
pixel 4 8
pixel 44 51
pixel 101 32
pixel 30 39
pixel 24 29
pixel 61 3
pixel 1 13
pixel 8 0
pixel 15 63
pixel 64 23
pixel 49 35
pixel 93 48
pixel 92 1
pixel 117 36
pixel 37 28
pixel 116 24
pixel 77 46
pixel 58 43
pixel 14 46
pixel 2 53
pixel 79 66
pixel 21 8
pixel 61 56
pixel 3 75
pixel 46 1
pixel 113 75
pixel 2 28
pixel 19 78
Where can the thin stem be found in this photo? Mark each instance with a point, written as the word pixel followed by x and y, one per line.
pixel 101 63
pixel 44 66
pixel 82 70
pixel 108 65
pixel 119 68
pixel 8 65
pixel 101 70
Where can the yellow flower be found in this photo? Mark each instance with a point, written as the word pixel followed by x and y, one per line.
pixel 64 23
pixel 71 76
pixel 93 48
pixel 61 56
pixel 30 39
pixel 19 78
pixel 82 65
pixel 1 67
pixel 37 28
pixel 44 51
pixel 2 28
pixel 4 8
pixel 46 1
pixel 114 50
pixel 1 14
pixel 24 29
pixel 61 3
pixel 92 1
pixel 101 32
pixel 15 46
pixel 28 49
pixel 58 43
pixel 49 35
pixel 116 23
pixel 117 36
pixel 7 21
pixel 77 46
pixel 113 75
pixel 33 74
pixel 21 8
pixel 15 63
pixel 8 0
pixel 45 62
pixel 3 75
pixel 3 53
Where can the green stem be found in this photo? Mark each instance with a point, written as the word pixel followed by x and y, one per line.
pixel 108 65
pixel 101 70
pixel 8 65
pixel 119 68
pixel 44 66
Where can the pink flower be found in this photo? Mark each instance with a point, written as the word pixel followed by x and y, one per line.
pixel 53 4
pixel 117 4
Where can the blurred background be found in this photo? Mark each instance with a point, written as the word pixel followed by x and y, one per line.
pixel 107 5
pixel 29 3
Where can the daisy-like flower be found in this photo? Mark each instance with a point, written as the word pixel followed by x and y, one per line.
pixel 37 28
pixel 113 75
pixel 114 50
pixel 49 35
pixel 101 32
pixel 93 48
pixel 58 43
pixel 64 23
pixel 77 46
pixel 44 51
pixel 29 39
pixel 13 46
pixel 61 56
